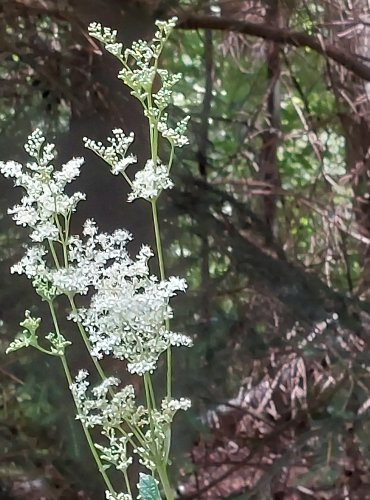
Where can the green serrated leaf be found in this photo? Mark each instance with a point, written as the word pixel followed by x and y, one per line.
pixel 148 488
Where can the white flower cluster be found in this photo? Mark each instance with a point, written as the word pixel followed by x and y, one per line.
pixel 139 70
pixel 87 260
pixel 115 154
pixel 150 181
pixel 144 54
pixel 163 97
pixel 45 198
pixel 104 35
pixel 161 421
pixel 117 496
pixel 32 264
pixel 116 453
pixel 127 313
pixel 175 136
pixel 101 409
pixel 89 257
pixel 112 412
pixel 128 310
pixel 139 78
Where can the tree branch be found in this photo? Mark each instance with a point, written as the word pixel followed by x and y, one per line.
pixel 346 59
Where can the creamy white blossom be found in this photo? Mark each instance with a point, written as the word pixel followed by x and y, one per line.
pixel 150 182
pixel 176 135
pixel 127 314
pixel 140 61
pixel 171 406
pixel 105 35
pixel 163 96
pixel 36 148
pixel 44 230
pixel 11 169
pixel 32 264
pixel 117 496
pixel 116 453
pixel 115 154
pixel 127 309
pixel 87 260
pixel 101 407
pixel 90 228
pixel 44 186
pixel 98 407
pixel 69 172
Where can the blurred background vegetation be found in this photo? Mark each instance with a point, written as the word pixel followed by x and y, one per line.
pixel 269 223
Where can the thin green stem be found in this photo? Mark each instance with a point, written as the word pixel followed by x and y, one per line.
pixel 170 161
pixel 163 277
pixel 151 392
pixel 153 132
pixel 87 433
pixel 155 142
pixel 41 349
pixel 151 423
pixel 127 481
pixel 163 476
pixel 151 125
pixel 158 239
pixel 127 178
pixel 54 254
pixel 65 242
pixel 83 333
pixel 69 380
pixel 169 372
pixel 148 401
pixel 60 229
pixel 54 317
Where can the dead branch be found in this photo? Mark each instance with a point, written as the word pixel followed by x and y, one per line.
pixel 348 60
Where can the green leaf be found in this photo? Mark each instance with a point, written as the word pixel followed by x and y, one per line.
pixel 148 488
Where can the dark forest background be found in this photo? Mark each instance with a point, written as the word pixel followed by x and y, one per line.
pixel 269 223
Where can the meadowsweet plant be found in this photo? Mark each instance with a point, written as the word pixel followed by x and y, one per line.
pixel 128 313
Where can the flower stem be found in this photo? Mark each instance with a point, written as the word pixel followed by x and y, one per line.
pixel 82 331
pixel 170 161
pixel 151 391
pixel 87 433
pixel 127 481
pixel 158 239
pixel 163 476
pixel 169 351
pixel 69 380
pixel 163 277
pixel 54 254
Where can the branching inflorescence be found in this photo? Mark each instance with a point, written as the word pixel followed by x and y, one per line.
pixel 129 311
